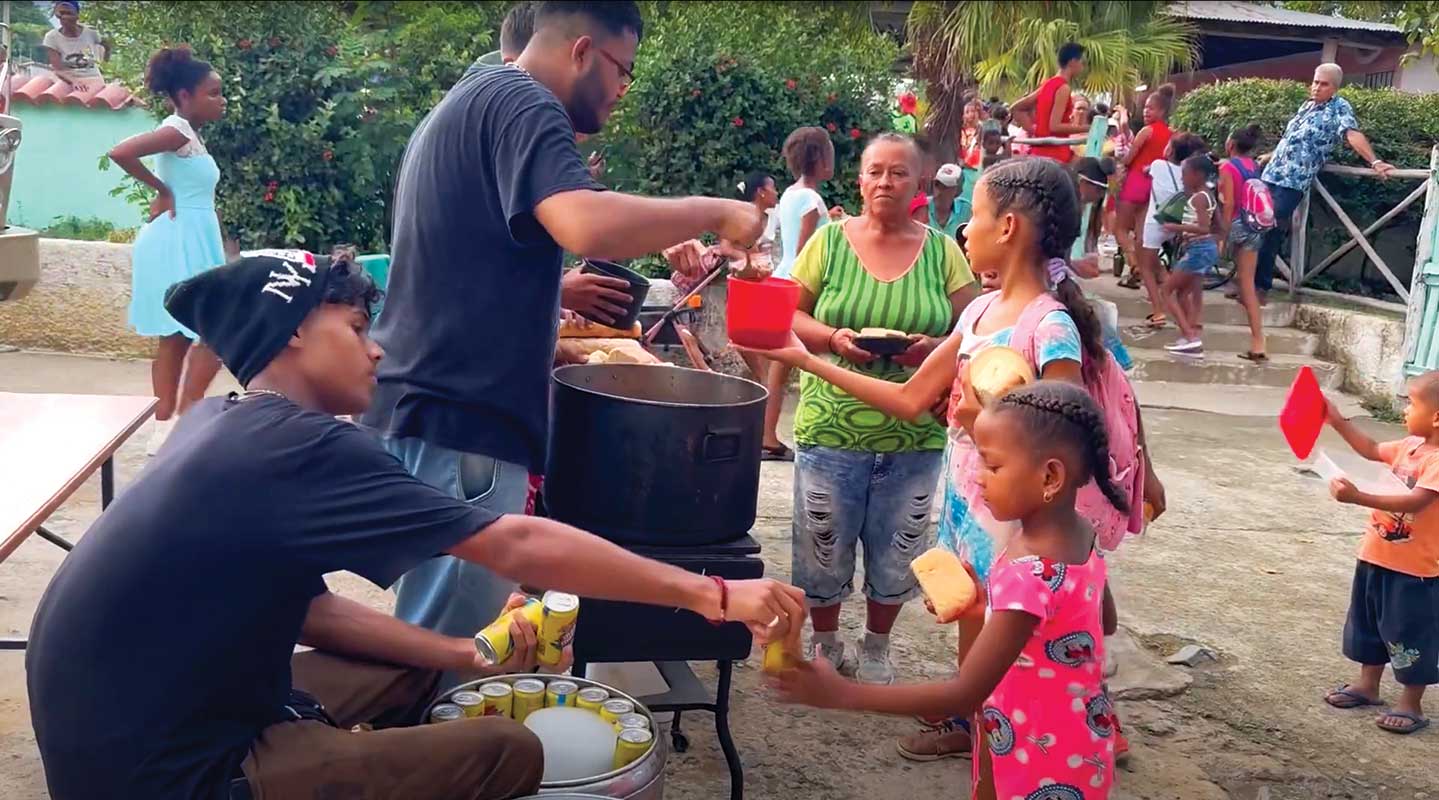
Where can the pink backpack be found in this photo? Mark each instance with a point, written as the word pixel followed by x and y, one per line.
pixel 1256 204
pixel 1109 387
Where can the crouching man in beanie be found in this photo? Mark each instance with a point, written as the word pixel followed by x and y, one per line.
pixel 161 662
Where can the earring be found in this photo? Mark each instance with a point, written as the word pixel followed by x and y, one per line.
pixel 1049 495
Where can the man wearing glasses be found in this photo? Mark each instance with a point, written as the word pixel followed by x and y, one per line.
pixel 492 190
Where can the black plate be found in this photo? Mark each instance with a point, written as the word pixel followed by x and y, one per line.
pixel 882 345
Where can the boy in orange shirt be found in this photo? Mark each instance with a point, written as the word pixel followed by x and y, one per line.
pixel 1394 604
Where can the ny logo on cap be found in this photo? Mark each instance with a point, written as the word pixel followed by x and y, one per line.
pixel 290 279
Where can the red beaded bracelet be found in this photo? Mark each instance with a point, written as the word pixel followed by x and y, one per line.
pixel 724 599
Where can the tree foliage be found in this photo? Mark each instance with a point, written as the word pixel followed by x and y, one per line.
pixel 1009 48
pixel 322 98
pixel 720 85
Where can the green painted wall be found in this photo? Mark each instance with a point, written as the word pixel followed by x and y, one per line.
pixel 57 172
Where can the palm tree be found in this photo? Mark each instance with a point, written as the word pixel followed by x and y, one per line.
pixel 1009 48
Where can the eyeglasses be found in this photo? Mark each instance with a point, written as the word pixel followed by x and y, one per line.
pixel 625 73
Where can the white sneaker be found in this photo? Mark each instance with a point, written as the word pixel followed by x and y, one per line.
pixel 1183 345
pixel 874 664
pixel 835 654
pixel 158 434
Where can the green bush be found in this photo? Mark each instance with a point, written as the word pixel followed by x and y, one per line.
pixel 93 229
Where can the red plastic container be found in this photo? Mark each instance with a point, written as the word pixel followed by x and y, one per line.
pixel 1304 413
pixel 760 314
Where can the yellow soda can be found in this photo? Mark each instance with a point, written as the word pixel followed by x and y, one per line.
pixel 776 658
pixel 494 644
pixel 557 626
pixel 592 698
pixel 472 703
pixel 529 697
pixel 631 745
pixel 632 721
pixel 446 712
pixel 561 694
pixel 499 699
pixel 612 710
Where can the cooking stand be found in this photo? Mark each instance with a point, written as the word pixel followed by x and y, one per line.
pixel 610 631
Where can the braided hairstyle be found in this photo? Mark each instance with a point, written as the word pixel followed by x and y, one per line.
pixel 1059 412
pixel 1043 191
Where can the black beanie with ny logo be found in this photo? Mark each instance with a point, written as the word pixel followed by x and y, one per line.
pixel 247 310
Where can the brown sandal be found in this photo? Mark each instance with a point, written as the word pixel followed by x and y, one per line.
pixel 1257 358
pixel 1156 321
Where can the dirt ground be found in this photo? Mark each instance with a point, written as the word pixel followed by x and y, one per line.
pixel 1253 560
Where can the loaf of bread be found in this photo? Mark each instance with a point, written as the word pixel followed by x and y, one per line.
pixel 594 330
pixel 945 583
pixel 996 370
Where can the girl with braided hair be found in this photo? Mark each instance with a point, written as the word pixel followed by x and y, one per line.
pixel 1025 218
pixel 1033 678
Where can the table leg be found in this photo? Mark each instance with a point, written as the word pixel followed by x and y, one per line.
pixel 107 483
pixel 54 538
pixel 731 755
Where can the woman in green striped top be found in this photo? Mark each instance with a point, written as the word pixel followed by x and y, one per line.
pixel 861 476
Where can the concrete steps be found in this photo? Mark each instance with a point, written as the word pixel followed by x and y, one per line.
pixel 1226 367
pixel 1219 372
pixel 1232 338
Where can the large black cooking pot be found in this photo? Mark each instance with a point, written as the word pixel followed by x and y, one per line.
pixel 652 455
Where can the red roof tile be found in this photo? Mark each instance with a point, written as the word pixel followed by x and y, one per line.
pixel 45 88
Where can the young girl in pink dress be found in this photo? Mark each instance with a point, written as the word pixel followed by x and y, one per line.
pixel 1033 678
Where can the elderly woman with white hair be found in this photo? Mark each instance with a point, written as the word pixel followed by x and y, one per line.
pixel 1309 139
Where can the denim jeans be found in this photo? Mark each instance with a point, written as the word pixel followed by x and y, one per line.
pixel 1286 200
pixel 845 498
pixel 446 594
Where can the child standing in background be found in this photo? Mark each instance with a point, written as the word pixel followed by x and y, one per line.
pixel 182 238
pixel 1033 676
pixel 1394 602
pixel 1198 253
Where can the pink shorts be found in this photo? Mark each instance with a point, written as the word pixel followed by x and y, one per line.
pixel 1135 190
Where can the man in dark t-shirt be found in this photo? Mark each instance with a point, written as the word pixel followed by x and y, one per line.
pixel 491 191
pixel 161 661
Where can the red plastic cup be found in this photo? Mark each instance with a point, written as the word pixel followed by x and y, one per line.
pixel 760 314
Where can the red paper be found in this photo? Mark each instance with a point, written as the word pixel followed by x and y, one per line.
pixel 1304 413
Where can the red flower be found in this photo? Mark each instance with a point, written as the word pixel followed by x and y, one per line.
pixel 328 155
pixel 738 122
pixel 855 133
pixel 244 44
pixel 790 84
pixel 832 127
pixel 332 51
pixel 273 185
pixel 833 97
pixel 269 197
pixel 274 41
pixel 908 103
pixel 695 93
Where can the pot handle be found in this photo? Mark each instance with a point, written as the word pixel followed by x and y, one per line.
pixel 721 444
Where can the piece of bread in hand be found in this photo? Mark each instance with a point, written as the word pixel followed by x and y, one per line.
pixel 945 583
pixel 881 333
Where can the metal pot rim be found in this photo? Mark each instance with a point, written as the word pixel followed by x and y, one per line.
pixel 561 372
pixel 583 683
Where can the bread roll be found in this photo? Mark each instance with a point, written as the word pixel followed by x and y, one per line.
pixel 594 330
pixel 945 582
pixel 996 370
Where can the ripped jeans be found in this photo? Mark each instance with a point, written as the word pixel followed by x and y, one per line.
pixel 844 498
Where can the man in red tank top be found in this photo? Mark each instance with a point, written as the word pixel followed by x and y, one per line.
pixel 1054 108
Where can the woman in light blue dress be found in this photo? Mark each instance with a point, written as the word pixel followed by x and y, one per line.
pixel 183 236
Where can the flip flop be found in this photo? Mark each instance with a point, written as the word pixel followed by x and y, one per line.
pixel 1131 282
pixel 1156 321
pixel 1257 358
pixel 780 453
pixel 1350 698
pixel 1417 723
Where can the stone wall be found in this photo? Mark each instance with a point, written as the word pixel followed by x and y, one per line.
pixel 80 304
pixel 1370 345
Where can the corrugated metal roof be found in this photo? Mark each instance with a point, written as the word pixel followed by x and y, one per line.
pixel 1233 11
pixel 44 88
